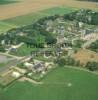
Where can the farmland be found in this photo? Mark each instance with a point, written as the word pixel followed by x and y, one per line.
pixel 86 55
pixel 5 2
pixel 29 6
pixel 44 41
pixel 83 87
pixel 32 17
pixel 4 26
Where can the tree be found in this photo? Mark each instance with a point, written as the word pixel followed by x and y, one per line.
pixel 50 39
pixel 92 65
pixel 78 43
pixel 77 63
pixel 70 61
pixel 61 61
pixel 94 46
pixel 2 48
pixel 39 41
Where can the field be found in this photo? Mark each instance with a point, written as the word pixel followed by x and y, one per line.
pixel 4 26
pixel 29 11
pixel 31 17
pixel 5 2
pixel 28 6
pixel 85 55
pixel 6 78
pixel 60 84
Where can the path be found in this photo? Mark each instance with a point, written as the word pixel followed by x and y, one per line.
pixel 30 80
pixel 82 69
pixel 6 54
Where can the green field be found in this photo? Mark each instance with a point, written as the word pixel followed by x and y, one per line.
pixel 55 87
pixel 3 2
pixel 4 26
pixel 32 17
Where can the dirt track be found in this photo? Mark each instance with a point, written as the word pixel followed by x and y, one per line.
pixel 28 6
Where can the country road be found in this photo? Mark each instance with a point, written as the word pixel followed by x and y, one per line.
pixel 13 63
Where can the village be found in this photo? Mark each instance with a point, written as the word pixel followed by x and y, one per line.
pixel 57 42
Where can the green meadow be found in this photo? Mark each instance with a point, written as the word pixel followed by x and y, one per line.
pixel 5 2
pixel 55 87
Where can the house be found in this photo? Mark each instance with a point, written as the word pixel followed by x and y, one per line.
pixel 39 67
pixel 28 65
pixel 90 36
pixel 81 24
pixel 3 42
pixel 61 40
pixel 16 74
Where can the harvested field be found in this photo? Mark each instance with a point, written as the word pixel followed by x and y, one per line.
pixel 85 55
pixel 28 6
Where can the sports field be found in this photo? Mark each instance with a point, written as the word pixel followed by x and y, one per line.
pixel 60 84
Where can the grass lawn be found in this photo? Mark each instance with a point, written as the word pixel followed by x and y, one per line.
pixel 55 87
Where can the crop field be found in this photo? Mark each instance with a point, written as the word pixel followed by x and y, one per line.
pixel 7 78
pixel 32 17
pixel 60 84
pixel 85 55
pixel 29 11
pixel 4 26
pixel 5 2
pixel 28 6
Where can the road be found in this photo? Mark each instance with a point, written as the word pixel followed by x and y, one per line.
pixel 13 63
